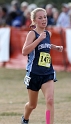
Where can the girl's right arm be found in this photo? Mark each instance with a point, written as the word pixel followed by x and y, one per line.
pixel 31 43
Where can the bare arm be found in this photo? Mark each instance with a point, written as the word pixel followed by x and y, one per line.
pixel 55 47
pixel 29 45
pixel 58 48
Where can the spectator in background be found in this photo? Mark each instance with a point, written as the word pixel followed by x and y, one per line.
pixel 26 21
pixel 32 7
pixel 49 14
pixel 3 15
pixel 69 4
pixel 63 19
pixel 15 6
pixel 24 6
pixel 24 9
pixel 69 13
pixel 15 15
pixel 70 17
pixel 55 15
pixel 0 15
pixel 13 19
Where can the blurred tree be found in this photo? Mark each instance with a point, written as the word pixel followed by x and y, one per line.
pixel 39 2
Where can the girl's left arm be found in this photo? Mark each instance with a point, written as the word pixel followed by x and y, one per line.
pixel 58 48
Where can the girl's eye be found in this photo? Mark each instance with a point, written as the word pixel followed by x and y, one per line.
pixel 40 17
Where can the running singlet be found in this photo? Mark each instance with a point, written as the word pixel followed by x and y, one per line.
pixel 39 60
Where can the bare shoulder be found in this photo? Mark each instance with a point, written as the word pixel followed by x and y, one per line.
pixel 31 34
pixel 30 37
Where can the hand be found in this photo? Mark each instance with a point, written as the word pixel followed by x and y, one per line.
pixel 59 48
pixel 42 36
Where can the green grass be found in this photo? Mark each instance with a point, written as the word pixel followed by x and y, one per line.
pixel 13 96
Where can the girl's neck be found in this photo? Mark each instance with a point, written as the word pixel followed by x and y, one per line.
pixel 39 30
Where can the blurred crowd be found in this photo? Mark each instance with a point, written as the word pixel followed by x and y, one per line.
pixel 18 14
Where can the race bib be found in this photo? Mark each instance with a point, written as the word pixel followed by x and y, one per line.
pixel 44 59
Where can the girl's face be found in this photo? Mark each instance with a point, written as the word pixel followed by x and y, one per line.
pixel 41 19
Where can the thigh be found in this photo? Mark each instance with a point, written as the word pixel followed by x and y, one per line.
pixel 48 89
pixel 33 97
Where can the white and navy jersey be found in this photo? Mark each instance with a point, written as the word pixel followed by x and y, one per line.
pixel 39 60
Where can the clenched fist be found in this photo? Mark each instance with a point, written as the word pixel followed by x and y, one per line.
pixel 42 36
pixel 59 48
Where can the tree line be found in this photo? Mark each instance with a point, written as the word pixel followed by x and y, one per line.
pixel 56 3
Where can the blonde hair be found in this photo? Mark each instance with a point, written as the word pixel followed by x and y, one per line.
pixel 33 14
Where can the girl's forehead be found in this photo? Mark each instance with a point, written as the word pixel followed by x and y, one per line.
pixel 40 13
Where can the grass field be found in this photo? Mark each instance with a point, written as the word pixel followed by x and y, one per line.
pixel 13 95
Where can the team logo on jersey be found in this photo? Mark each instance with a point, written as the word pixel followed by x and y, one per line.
pixel 45 45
